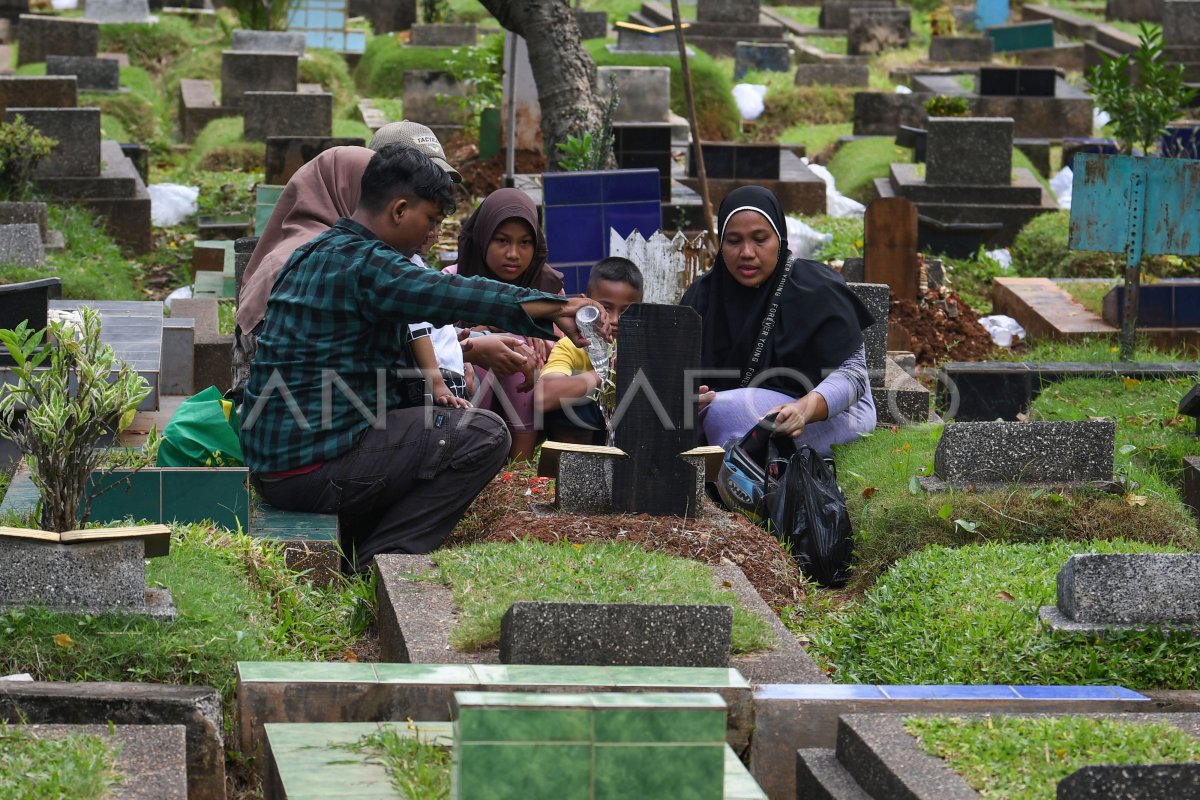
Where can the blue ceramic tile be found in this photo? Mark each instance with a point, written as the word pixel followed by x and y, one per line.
pixel 356 41
pixel 631 186
pixel 572 188
pixel 576 234
pixel 1077 693
pixel 818 691
pixel 625 218
pixel 1187 306
pixel 584 273
pixel 570 275
pixel 936 692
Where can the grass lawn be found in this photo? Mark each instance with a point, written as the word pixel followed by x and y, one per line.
pixel 1089 294
pixel 488 578
pixel 1024 758
pixel 1097 349
pixel 78 766
pixel 416 768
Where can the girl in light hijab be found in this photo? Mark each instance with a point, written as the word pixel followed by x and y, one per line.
pixel 786 332
pixel 503 241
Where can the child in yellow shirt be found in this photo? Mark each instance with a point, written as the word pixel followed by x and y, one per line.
pixel 565 392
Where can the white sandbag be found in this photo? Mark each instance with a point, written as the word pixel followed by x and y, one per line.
pixel 182 293
pixel 903 90
pixel 1100 119
pixel 1060 187
pixel 171 204
pixel 749 99
pixel 803 240
pixel 837 205
pixel 1002 257
pixel 1004 330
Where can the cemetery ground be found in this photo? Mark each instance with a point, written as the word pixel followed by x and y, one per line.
pixel 946 587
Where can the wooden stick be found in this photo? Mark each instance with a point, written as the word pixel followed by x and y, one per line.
pixel 692 123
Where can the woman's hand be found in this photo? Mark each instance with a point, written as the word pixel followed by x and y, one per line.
pixel 706 396
pixel 790 418
pixel 541 351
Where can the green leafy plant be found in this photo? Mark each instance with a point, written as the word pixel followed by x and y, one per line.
pixel 592 151
pixel 77 765
pixel 70 393
pixel 946 105
pixel 433 11
pixel 415 766
pixel 1141 92
pixel 480 72
pixel 22 146
pixel 263 15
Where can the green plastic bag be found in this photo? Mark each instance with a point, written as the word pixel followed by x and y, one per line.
pixel 203 432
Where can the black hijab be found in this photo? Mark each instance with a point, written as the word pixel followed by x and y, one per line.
pixel 819 322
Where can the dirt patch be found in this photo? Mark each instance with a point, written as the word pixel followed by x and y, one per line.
pixel 482 176
pixel 939 327
pixel 515 505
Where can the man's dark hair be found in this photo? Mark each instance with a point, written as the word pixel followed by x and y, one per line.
pixel 615 268
pixel 398 170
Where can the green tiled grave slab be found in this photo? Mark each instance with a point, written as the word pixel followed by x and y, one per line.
pixel 544 725
pixel 660 772
pixel 264 203
pixel 530 772
pixel 306 762
pixel 269 522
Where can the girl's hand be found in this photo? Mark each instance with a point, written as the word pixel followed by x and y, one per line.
pixel 790 418
pixel 541 351
pixel 451 400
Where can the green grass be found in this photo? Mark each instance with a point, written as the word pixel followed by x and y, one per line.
pixel 380 71
pixel 236 601
pixel 857 164
pixel 1095 349
pixel 847 237
pixel 488 578
pixel 1024 758
pixel 226 316
pixel 417 769
pixel 969 615
pixel 220 147
pixel 838 45
pixel 91 266
pixel 816 138
pixel 1088 294
pixel 78 766
pixel 805 15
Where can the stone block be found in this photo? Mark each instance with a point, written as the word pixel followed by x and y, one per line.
pixel 39 36
pixel 833 75
pixel 256 72
pixel 77 131
pixel 875 297
pixel 432 97
pixel 728 11
pixel 584 483
pixel 880 113
pixel 1134 10
pixel 835 14
pixel 28 301
pixel 874 30
pixel 198 106
pixel 37 91
pixel 608 634
pixel 27 213
pixel 960 48
pixel 763 56
pixel 900 399
pixel 286 114
pixel 592 24
pixel 91 74
pixel 1132 781
pixel 21 245
pixel 1025 189
pixel 117 11
pixel 286 154
pixel 151 760
pixel 969 151
pixel 1025 452
pixel 1017 82
pixel 86 577
pixel 444 35
pixel 196 708
pixel 1131 588
pixel 398 15
pixel 1038 153
pixel 632 41
pixel 1067 58
pixel 213 358
pixel 11 11
pixel 1181 23
pixel 737 161
pixel 645 92
pixel 178 357
pixel 247 41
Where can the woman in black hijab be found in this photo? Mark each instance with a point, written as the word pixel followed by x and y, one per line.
pixel 781 335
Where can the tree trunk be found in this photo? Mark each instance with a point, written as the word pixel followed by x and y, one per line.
pixel 563 69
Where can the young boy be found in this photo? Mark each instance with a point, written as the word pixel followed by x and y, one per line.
pixel 567 391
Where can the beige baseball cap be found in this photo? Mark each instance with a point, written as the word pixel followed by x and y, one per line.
pixel 414 134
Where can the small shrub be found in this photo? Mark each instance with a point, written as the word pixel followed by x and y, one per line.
pixel 150 47
pixel 592 151
pixel 948 106
pixel 22 146
pixel 380 71
pixel 1040 250
pixel 263 15
pixel 433 11
pixel 480 71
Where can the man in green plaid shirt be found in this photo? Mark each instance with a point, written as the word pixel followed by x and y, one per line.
pixel 323 424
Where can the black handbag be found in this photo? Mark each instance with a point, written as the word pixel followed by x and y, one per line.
pixel 807 511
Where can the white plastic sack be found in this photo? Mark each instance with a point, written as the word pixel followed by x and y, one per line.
pixel 903 90
pixel 182 293
pixel 1060 187
pixel 64 5
pixel 171 204
pixel 1002 257
pixel 1003 330
pixel 749 99
pixel 804 240
pixel 836 204
pixel 1100 119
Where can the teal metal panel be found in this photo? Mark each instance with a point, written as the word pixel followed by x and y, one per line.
pixel 122 494
pixel 1135 205
pixel 219 494
pixel 1021 36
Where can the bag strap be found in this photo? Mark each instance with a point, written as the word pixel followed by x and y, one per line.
pixel 764 335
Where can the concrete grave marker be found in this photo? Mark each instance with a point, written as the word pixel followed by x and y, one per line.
pixel 432 97
pixel 256 72
pixel 21 245
pixel 286 154
pixel 960 48
pixel 77 131
pixel 39 35
pixel 833 74
pixel 110 11
pixel 616 634
pixel 286 114
pixel 91 74
pixel 890 246
pixel 444 35
pixel 969 151
pixel 874 30
pixel 1131 782
pixel 1060 453
pixel 835 14
pixel 37 91
pixel 763 56
pixel 592 24
pixel 247 41
pixel 727 10
pixel 1126 591
pixel 645 92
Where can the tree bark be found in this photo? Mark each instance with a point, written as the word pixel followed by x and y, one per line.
pixel 562 68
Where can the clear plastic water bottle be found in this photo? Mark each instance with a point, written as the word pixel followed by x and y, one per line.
pixel 597 349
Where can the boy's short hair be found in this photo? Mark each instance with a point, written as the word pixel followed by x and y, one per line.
pixel 615 268
pixel 401 171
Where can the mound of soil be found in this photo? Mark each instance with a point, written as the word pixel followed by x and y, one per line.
pixel 482 176
pixel 938 328
pixel 515 505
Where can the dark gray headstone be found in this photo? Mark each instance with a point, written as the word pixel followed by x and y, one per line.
pixel 444 35
pixel 960 48
pixel 645 92
pixel 836 13
pixel 875 298
pixel 245 41
pixel 1191 484
pixel 77 131
pixel 592 24
pixel 1134 10
pixel 27 213
pixel 969 151
pixel 1131 588
pixel 91 74
pixel 117 11
pixel 37 91
pixel 764 56
pixel 1181 23
pixel 21 245
pixel 880 113
pixel 431 96
pixel 39 35
pixel 286 154
pixel 286 114
pixel 395 15
pixel 632 41
pixel 833 75
pixel 728 11
pixel 1025 452
pixel 616 634
pixel 256 72
pixel 1131 782
pixel 874 30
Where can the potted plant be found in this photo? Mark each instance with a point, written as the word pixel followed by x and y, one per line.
pixel 1132 202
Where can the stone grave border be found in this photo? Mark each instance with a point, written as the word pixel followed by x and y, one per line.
pixel 151 761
